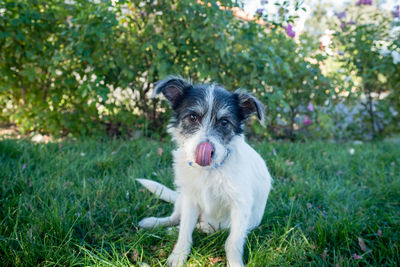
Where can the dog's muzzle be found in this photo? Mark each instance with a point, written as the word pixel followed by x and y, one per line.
pixel 204 152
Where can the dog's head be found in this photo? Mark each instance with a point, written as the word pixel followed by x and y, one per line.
pixel 206 117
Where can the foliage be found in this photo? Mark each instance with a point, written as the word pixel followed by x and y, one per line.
pixel 297 81
pixel 52 63
pixel 368 45
pixel 88 67
pixel 76 203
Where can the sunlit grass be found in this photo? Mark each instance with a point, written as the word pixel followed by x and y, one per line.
pixel 76 203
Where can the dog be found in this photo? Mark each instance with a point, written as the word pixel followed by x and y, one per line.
pixel 221 182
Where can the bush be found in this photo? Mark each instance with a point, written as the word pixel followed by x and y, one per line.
pixel 83 68
pixel 369 49
pixel 54 66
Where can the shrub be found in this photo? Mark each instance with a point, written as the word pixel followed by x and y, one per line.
pixel 84 68
pixel 369 45
pixel 52 63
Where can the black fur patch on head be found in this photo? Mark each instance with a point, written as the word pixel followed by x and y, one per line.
pixel 226 107
pixel 193 103
pixel 250 105
pixel 210 107
pixel 173 89
pixel 221 117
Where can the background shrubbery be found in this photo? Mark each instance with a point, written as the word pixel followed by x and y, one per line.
pixel 84 68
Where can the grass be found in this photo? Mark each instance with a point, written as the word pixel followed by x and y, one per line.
pixel 77 203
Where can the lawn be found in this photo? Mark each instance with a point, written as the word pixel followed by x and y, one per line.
pixel 77 203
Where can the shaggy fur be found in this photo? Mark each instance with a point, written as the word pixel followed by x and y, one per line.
pixel 232 191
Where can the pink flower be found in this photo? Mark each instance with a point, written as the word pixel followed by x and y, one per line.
pixel 357 257
pixel 341 15
pixel 290 31
pixel 143 13
pixel 396 12
pixel 310 107
pixel 364 2
pixel 160 151
pixel 307 121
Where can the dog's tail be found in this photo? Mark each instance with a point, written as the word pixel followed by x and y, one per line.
pixel 159 190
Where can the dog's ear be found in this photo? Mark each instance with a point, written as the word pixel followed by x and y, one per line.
pixel 172 88
pixel 249 105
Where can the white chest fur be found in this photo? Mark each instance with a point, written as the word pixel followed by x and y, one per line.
pixel 243 181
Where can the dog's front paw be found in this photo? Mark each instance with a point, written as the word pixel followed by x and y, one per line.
pixel 149 222
pixel 176 260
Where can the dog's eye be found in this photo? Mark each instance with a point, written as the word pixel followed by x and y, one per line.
pixel 224 122
pixel 193 117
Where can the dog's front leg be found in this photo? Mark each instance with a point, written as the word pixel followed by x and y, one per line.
pixel 189 216
pixel 237 236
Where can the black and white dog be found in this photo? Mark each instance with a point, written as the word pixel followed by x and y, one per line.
pixel 221 182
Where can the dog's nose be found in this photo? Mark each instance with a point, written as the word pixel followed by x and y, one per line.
pixel 204 152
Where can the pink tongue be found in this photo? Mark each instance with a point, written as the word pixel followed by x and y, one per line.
pixel 203 154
